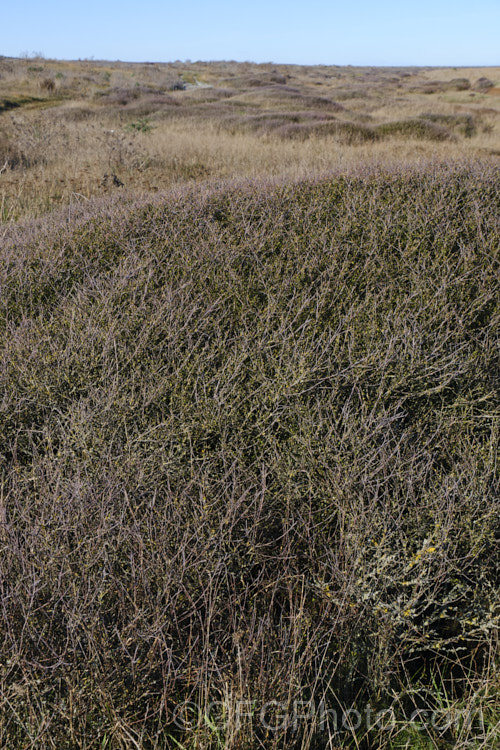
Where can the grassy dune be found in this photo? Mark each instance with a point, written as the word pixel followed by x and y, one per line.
pixel 248 446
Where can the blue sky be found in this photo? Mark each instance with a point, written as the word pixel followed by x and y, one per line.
pixel 339 32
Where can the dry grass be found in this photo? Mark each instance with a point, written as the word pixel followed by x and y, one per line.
pixel 65 126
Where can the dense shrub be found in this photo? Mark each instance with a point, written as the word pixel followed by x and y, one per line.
pixel 483 84
pixel 248 450
pixel 459 84
pixel 464 124
pixel 344 132
pixel 415 128
pixel 135 95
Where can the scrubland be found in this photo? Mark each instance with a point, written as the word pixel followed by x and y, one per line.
pixel 249 406
pixel 67 128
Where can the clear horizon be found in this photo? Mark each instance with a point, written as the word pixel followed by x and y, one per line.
pixel 440 33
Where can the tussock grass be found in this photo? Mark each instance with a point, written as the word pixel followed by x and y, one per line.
pixel 248 452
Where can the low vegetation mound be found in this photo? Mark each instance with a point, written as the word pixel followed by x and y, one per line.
pixel 291 94
pixel 129 96
pixel 348 133
pixel 429 130
pixel 463 124
pixel 301 125
pixel 432 87
pixel 483 84
pixel 248 452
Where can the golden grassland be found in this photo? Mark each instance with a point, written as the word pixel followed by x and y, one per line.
pixel 76 129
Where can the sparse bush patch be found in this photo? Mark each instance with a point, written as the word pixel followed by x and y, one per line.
pixel 139 126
